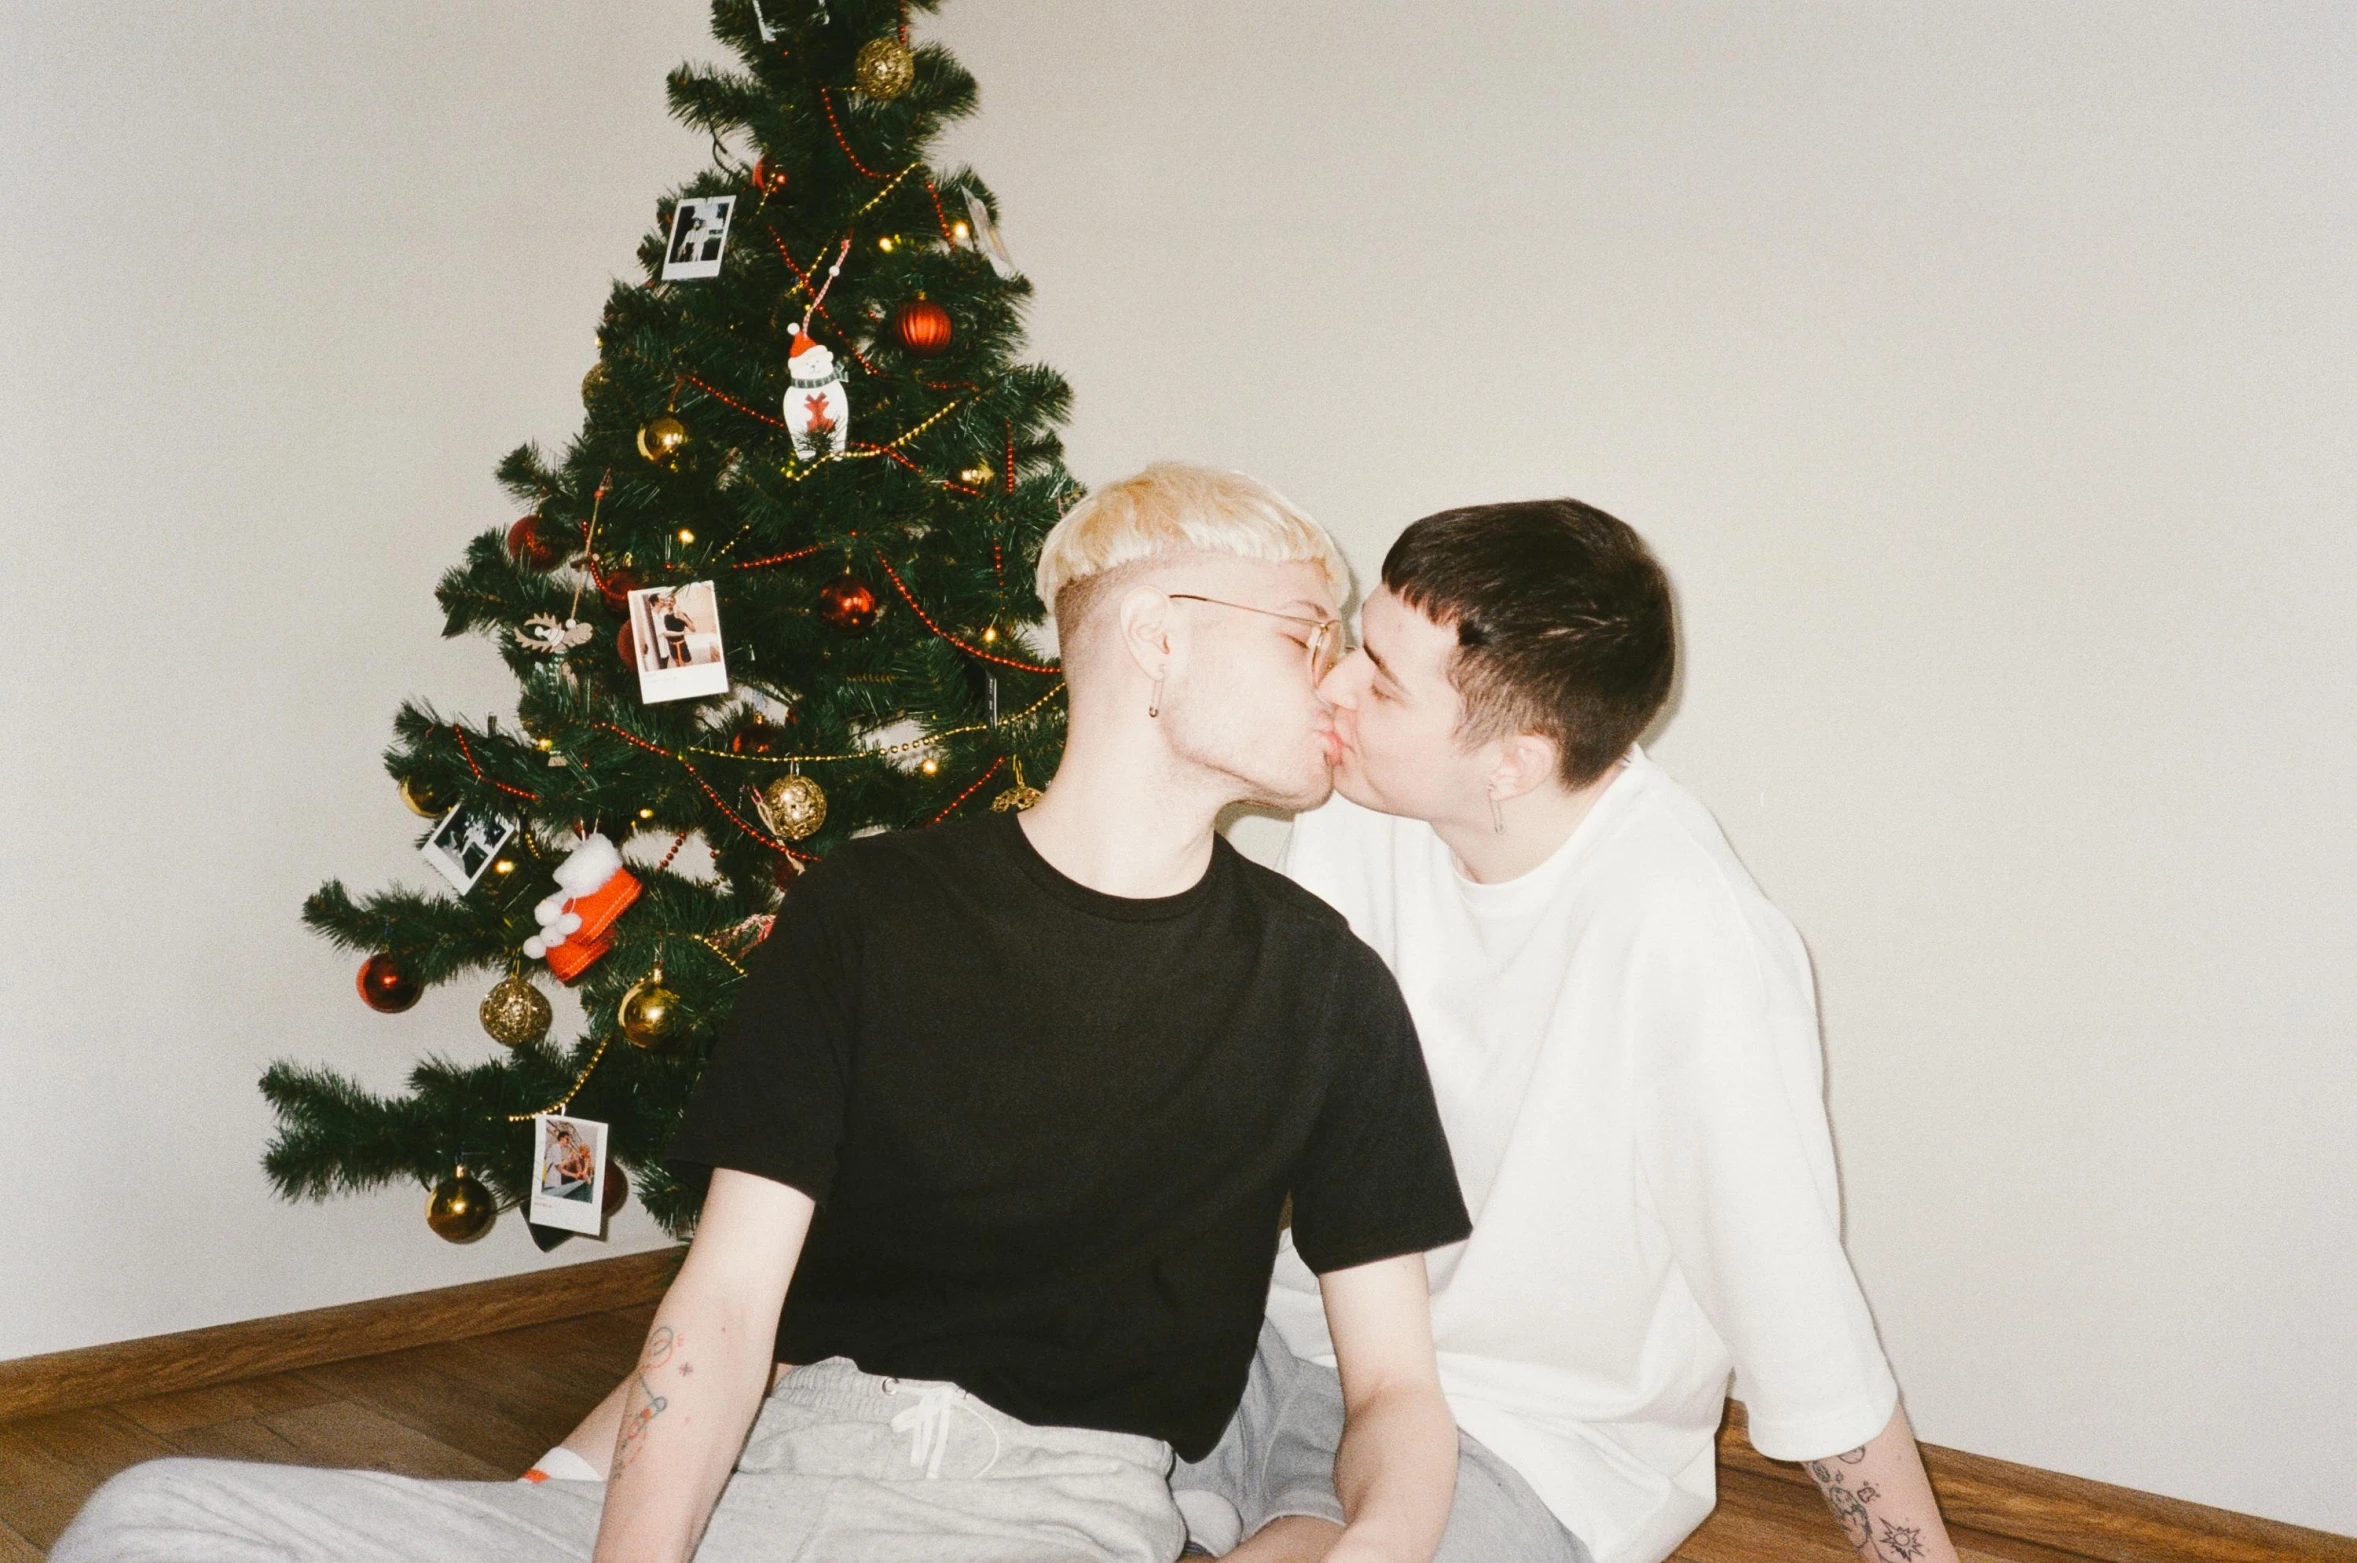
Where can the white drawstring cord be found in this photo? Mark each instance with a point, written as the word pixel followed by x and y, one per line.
pixel 927 1424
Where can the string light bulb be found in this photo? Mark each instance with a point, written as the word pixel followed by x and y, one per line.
pixel 930 765
pixel 504 866
pixel 687 535
pixel 646 813
pixel 960 232
pixel 990 635
pixel 887 244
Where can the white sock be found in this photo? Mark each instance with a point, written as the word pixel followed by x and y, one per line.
pixel 561 1465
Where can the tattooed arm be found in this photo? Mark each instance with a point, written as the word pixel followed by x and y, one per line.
pixel 688 1404
pixel 1884 1500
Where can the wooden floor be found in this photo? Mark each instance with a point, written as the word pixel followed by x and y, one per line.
pixel 482 1409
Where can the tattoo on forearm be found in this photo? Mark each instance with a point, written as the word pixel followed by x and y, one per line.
pixel 1877 1538
pixel 642 1405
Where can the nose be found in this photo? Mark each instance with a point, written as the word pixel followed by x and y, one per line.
pixel 1341 687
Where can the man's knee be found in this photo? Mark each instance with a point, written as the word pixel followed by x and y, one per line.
pixel 160 1497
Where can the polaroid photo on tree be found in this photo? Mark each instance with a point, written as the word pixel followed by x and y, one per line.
pixel 675 631
pixel 568 1174
pixel 464 844
pixel 699 236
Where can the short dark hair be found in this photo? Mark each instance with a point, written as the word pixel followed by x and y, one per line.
pixel 1564 623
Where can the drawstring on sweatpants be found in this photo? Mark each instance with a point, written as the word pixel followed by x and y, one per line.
pixel 927 1424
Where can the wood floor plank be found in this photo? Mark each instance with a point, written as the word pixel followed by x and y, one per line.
pixel 50 1464
pixel 421 1389
pixel 590 1353
pixel 16 1549
pixel 246 1439
pixel 165 1415
pixel 345 1433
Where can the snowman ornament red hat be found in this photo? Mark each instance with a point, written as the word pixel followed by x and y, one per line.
pixel 818 410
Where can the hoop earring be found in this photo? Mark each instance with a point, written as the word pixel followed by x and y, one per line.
pixel 1154 701
pixel 1497 816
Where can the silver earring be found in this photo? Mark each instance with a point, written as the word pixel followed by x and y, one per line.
pixel 1497 816
pixel 1154 701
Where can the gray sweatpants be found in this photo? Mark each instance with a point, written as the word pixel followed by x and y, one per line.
pixel 841 1467
pixel 1277 1458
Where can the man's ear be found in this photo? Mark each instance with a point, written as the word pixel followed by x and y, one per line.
pixel 1145 631
pixel 1524 763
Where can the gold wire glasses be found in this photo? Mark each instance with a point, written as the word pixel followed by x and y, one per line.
pixel 1329 639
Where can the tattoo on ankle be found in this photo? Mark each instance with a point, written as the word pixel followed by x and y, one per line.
pixel 1876 1537
pixel 642 1405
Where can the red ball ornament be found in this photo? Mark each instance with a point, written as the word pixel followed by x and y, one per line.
pixel 626 645
pixel 783 871
pixel 617 1189
pixel 848 603
pixel 768 178
pixel 615 586
pixel 533 542
pixel 387 985
pixel 922 326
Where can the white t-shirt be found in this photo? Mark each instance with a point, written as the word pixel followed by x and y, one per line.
pixel 1624 1045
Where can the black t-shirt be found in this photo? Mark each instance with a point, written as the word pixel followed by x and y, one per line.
pixel 1050 1130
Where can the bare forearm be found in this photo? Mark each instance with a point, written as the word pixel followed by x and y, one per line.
pixel 684 1411
pixel 1396 1472
pixel 1884 1500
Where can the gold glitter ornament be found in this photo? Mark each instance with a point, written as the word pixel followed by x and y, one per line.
pixel 593 382
pixel 884 69
pixel 460 1208
pixel 515 1012
pixel 793 806
pixel 649 1012
pixel 661 439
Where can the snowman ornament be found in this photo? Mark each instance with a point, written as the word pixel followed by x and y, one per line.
pixel 818 410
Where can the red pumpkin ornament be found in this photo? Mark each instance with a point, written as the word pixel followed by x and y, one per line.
pixel 923 327
pixel 758 738
pixel 849 604
pixel 536 544
pixel 387 985
pixel 615 586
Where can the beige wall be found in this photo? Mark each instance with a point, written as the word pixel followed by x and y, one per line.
pixel 1985 376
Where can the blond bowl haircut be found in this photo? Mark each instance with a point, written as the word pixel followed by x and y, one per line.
pixel 1173 508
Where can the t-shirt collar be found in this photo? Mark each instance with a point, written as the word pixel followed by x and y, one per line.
pixel 1059 886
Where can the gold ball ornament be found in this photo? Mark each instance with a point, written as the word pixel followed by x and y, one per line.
pixel 793 806
pixel 649 1012
pixel 460 1208
pixel 661 439
pixel 594 381
pixel 884 68
pixel 423 800
pixel 515 1012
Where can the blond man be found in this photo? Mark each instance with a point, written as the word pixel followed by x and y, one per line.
pixel 997 1138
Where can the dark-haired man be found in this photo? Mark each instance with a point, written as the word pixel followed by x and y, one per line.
pixel 1622 1035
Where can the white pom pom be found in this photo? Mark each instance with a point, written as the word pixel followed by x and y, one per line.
pixel 569 924
pixel 549 910
pixel 535 948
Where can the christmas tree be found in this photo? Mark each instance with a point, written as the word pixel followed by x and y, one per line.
pixel 775 593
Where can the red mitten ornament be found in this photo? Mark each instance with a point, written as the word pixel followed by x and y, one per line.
pixel 593 889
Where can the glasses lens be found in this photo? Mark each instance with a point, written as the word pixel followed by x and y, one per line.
pixel 1325 651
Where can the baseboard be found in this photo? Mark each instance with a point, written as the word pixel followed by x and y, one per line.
pixel 158 1364
pixel 2071 1514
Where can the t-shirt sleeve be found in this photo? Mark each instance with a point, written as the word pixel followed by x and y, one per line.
pixel 1375 1179
pixel 1737 1161
pixel 771 1098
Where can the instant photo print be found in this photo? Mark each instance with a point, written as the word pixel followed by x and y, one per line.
pixel 568 1174
pixel 676 633
pixel 464 844
pixel 699 237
